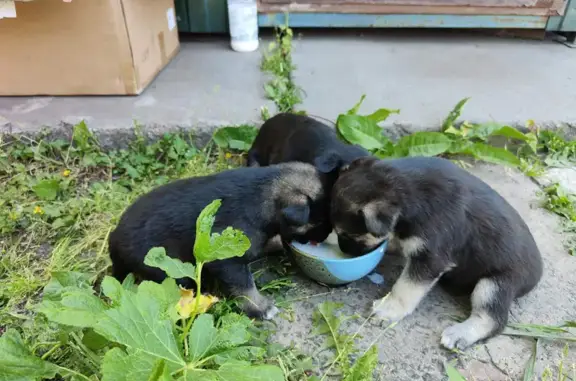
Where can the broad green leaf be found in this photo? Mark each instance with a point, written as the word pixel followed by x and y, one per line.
pixel 232 333
pixel 94 341
pixel 454 115
pixel 244 353
pixel 238 372
pixel 237 138
pixel 204 224
pixel 112 288
pixel 423 144
pixel 382 114
pixel 452 373
pixel 129 283
pixel 203 336
pixel 363 368
pixel 17 363
pixel 204 339
pixel 131 366
pixel 173 267
pixel 47 189
pixel 483 131
pixel 459 145
pixel 357 129
pixel 77 308
pixel 511 132
pixel 230 243
pixel 140 323
pixel 166 294
pixel 494 155
pixel 63 280
pixel 354 110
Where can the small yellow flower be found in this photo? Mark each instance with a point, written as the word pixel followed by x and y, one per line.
pixel 187 303
pixel 228 155
pixel 38 210
pixel 66 173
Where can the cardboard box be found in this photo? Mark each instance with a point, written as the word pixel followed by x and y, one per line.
pixel 86 47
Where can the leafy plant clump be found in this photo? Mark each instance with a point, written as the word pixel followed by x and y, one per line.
pixel 470 139
pixel 150 331
pixel 328 323
pixel 278 63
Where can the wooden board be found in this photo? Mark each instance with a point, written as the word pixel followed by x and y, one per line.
pixel 456 7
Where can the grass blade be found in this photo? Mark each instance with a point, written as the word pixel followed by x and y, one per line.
pixel 529 370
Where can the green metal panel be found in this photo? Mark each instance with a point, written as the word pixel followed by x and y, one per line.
pixel 182 15
pixel 350 20
pixel 207 16
pixel 569 20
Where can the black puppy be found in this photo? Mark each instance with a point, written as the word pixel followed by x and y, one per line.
pixel 289 200
pixel 450 226
pixel 292 137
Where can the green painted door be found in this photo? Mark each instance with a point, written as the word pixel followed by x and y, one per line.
pixel 202 16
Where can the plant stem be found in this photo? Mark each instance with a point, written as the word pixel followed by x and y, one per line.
pixel 196 302
pixel 70 371
pixel 52 350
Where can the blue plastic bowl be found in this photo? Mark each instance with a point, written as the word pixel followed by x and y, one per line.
pixel 337 271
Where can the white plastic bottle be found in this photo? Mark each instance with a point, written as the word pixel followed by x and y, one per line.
pixel 243 25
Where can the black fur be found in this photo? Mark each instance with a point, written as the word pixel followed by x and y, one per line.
pixel 291 137
pixel 467 230
pixel 262 202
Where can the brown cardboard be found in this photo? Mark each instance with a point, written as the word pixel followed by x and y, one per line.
pixel 87 47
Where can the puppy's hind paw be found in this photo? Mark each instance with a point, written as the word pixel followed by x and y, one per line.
pixel 457 336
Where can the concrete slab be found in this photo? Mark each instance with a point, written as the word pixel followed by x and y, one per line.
pixel 206 85
pixel 411 351
pixel 424 73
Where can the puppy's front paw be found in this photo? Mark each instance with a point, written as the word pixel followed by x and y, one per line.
pixel 271 312
pixel 457 336
pixel 390 309
pixel 265 309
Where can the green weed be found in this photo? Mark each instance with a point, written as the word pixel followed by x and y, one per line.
pixel 149 331
pixel 278 63
pixel 468 139
pixel 558 201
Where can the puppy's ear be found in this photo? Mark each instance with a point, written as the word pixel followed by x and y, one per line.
pixel 296 214
pixel 376 220
pixel 362 161
pixel 328 162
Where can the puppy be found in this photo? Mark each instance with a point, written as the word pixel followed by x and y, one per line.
pixel 289 200
pixel 450 226
pixel 291 137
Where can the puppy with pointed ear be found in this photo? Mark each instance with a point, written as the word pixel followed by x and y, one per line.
pixel 450 226
pixel 292 137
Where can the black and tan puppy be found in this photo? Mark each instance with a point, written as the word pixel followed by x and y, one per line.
pixel 289 200
pixel 450 226
pixel 291 137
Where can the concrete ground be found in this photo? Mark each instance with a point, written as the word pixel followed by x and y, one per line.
pixel 422 73
pixel 412 351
